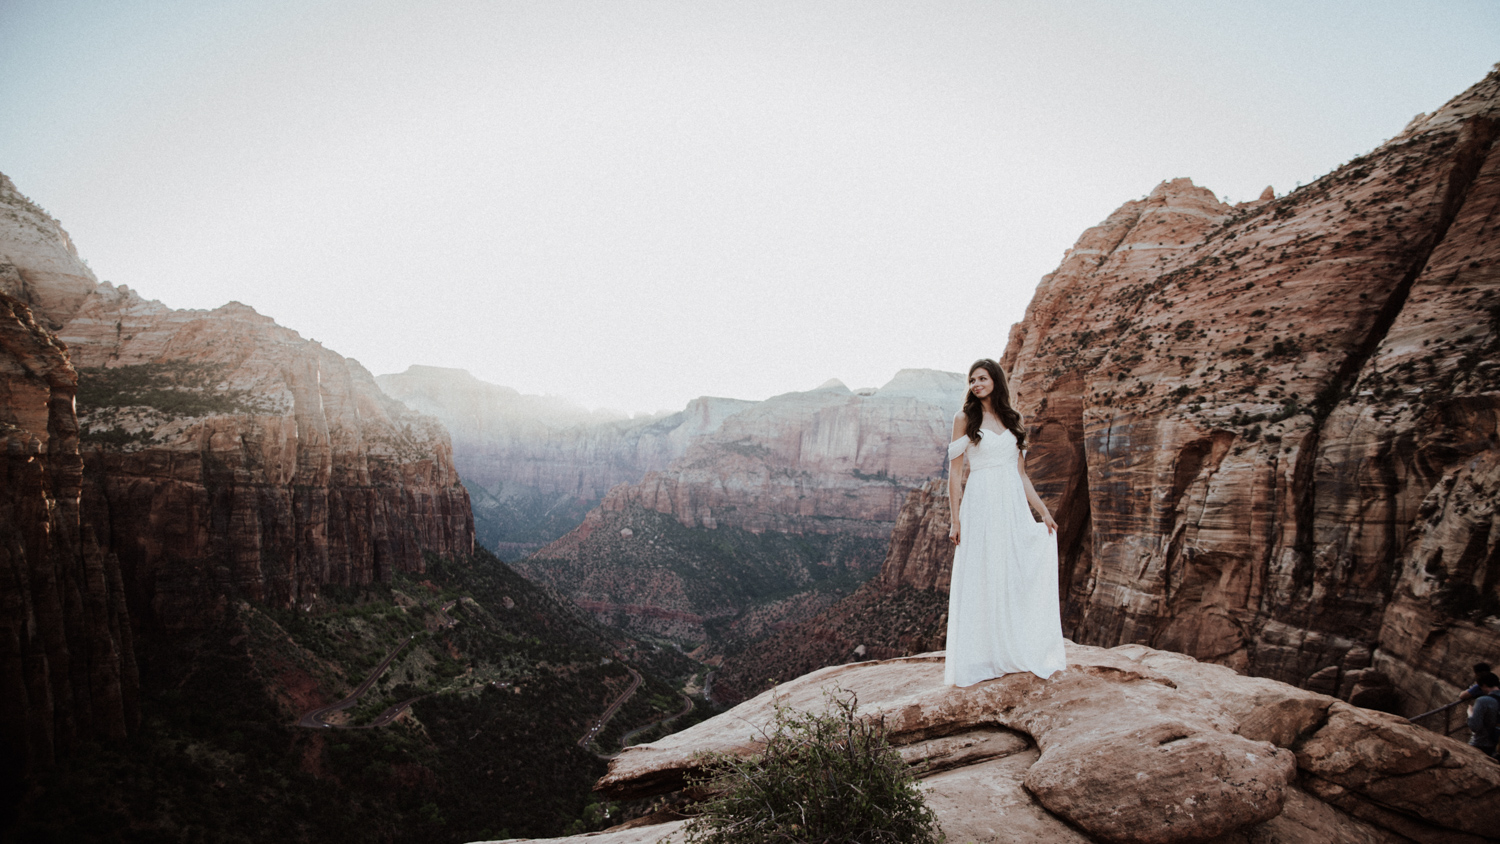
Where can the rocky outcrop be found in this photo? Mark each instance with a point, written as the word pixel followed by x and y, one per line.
pixel 534 465
pixel 1129 744
pixel 67 668
pixel 920 554
pixel 226 455
pixel 1270 432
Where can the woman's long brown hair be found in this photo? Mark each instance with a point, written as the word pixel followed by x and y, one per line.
pixel 1009 416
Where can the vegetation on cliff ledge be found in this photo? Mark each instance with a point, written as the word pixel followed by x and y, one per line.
pixel 820 778
pixel 122 405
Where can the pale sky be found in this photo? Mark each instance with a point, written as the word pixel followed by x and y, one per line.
pixel 632 203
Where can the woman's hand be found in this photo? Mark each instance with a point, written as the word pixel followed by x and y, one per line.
pixel 953 532
pixel 1050 522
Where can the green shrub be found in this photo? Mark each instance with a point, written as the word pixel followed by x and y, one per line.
pixel 824 778
pixel 176 389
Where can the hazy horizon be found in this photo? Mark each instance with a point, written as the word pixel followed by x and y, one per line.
pixel 666 411
pixel 630 205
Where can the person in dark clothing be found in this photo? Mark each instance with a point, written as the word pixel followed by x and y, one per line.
pixel 1484 716
pixel 1480 669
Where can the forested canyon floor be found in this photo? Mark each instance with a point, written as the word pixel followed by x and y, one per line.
pixel 505 681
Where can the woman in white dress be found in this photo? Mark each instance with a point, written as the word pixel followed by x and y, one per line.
pixel 1002 606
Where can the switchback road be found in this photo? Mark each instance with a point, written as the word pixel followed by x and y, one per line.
pixel 314 719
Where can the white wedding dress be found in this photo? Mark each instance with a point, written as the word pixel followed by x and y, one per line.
pixel 1003 604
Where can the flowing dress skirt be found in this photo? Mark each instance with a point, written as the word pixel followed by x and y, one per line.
pixel 1003 612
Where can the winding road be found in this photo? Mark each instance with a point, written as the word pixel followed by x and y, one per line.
pixel 635 683
pixel 314 719
pixel 687 706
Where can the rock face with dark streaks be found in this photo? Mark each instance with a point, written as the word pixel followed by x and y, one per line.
pixel 225 455
pixel 1270 432
pixel 920 555
pixel 67 668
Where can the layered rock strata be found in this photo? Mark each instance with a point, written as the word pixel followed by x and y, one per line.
pixel 829 460
pixel 67 667
pixel 224 454
pixel 531 463
pixel 825 460
pixel 1129 744
pixel 784 498
pixel 1270 431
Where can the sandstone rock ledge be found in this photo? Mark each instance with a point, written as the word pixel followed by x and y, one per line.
pixel 1129 744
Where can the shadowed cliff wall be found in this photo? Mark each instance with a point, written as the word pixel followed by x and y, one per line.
pixel 159 461
pixel 67 669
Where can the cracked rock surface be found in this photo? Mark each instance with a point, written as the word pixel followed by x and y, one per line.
pixel 1129 744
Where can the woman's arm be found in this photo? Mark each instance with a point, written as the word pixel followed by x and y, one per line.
pixel 1032 498
pixel 955 480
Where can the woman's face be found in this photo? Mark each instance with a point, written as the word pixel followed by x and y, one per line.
pixel 981 384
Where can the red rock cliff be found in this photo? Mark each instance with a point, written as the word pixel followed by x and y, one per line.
pixel 67 670
pixel 225 454
pixel 1269 431
pixel 920 555
pixel 826 460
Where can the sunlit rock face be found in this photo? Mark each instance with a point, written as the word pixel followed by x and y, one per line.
pixel 1270 432
pixel 224 454
pixel 534 465
pixel 921 555
pixel 823 461
pixel 67 668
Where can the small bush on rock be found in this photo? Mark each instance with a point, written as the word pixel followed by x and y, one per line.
pixel 822 778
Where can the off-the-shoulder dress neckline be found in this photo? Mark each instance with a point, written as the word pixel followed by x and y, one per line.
pixel 982 431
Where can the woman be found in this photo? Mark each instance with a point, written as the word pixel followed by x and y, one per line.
pixel 1002 605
